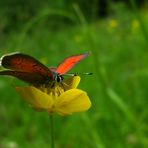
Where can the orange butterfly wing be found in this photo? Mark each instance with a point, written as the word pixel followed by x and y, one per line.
pixel 69 62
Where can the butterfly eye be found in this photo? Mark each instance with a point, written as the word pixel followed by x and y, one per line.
pixel 58 78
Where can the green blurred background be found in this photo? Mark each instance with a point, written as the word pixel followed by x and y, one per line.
pixel 116 32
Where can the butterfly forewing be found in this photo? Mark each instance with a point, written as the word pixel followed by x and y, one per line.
pixel 69 62
pixel 24 63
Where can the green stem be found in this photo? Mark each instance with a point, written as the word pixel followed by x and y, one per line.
pixel 52 131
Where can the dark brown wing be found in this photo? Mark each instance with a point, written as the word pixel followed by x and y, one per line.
pixel 33 78
pixel 24 63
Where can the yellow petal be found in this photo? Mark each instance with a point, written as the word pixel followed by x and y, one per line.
pixel 35 97
pixel 73 100
pixel 73 82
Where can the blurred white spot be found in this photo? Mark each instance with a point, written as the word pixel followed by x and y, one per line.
pixel 12 144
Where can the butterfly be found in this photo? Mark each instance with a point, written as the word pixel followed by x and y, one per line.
pixel 30 70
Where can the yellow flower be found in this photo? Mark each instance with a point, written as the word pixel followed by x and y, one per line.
pixel 113 23
pixel 63 99
pixel 78 38
pixel 135 24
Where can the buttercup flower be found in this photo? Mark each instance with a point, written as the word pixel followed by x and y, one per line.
pixel 64 98
pixel 113 23
pixel 135 24
pixel 78 38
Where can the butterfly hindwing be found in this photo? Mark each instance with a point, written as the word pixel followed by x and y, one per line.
pixel 33 78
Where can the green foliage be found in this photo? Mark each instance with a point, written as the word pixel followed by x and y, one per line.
pixel 15 13
pixel 118 87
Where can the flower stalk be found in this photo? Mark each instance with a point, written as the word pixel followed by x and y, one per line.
pixel 52 131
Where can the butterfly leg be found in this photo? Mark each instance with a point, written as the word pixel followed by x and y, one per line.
pixel 52 84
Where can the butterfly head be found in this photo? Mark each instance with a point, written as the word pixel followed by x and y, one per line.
pixel 58 78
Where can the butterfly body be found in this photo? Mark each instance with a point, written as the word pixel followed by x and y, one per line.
pixel 29 69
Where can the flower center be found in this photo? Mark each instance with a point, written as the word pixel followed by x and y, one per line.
pixel 55 91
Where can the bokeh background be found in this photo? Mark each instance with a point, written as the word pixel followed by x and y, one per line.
pixel 116 33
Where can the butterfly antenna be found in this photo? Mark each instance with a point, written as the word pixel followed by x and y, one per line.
pixel 79 73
